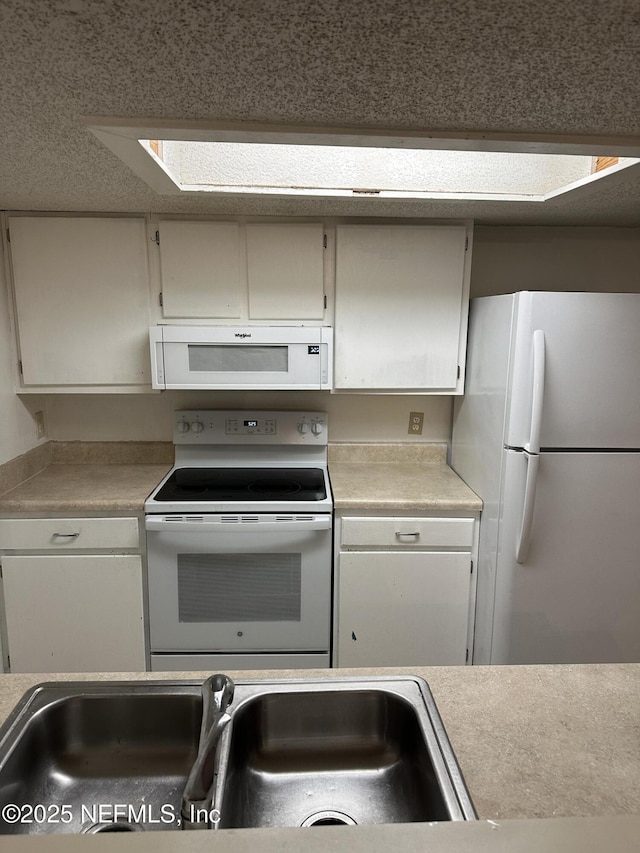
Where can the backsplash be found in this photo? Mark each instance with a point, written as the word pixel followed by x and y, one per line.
pixel 389 452
pixel 24 467
pixel 112 452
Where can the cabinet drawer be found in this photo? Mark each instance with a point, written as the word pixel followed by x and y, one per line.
pixel 69 534
pixel 407 532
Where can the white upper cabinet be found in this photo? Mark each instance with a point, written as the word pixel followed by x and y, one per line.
pixel 285 268
pixel 398 295
pixel 402 294
pixel 201 264
pixel 234 273
pixel 81 288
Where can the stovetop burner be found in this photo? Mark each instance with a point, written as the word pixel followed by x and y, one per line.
pixel 242 484
pixel 187 492
pixel 274 488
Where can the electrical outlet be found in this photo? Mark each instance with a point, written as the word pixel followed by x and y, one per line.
pixel 41 430
pixel 416 420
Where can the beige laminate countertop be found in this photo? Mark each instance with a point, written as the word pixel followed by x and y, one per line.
pixel 84 477
pixel 87 477
pixel 397 477
pixel 561 743
pixel 80 488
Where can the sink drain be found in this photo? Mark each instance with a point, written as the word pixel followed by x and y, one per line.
pixel 329 818
pixel 113 826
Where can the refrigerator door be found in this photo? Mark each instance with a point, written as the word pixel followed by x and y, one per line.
pixel 592 363
pixel 576 598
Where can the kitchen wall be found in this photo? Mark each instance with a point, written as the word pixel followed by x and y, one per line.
pixel 505 259
pixel 511 258
pixel 352 417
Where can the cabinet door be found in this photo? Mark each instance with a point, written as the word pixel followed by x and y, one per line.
pixel 71 613
pixel 285 266
pixel 82 300
pixel 403 608
pixel 201 269
pixel 401 303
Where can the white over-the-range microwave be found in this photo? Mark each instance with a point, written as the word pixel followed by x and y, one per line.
pixel 271 358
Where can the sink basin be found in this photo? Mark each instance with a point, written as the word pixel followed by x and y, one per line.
pixel 87 746
pixel 337 754
pixel 115 756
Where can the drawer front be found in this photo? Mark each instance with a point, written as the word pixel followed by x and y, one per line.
pixel 68 534
pixel 407 532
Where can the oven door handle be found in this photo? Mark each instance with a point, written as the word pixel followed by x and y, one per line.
pixel 190 525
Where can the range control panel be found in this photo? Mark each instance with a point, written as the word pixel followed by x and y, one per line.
pixel 204 426
pixel 250 426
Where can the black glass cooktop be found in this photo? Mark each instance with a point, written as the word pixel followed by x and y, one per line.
pixel 244 484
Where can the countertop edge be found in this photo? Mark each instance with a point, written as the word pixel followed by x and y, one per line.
pixel 569 835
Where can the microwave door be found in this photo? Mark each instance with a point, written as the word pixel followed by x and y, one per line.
pixel 241 365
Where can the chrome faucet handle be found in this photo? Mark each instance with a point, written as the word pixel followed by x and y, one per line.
pixel 220 688
pixel 217 695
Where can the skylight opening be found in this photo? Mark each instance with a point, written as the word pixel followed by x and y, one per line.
pixel 316 164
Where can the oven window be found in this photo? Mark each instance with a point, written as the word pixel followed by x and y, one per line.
pixel 215 358
pixel 239 587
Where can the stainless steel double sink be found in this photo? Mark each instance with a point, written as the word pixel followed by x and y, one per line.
pixel 115 756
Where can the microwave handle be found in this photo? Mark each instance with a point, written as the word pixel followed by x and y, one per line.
pixel 157 358
pixel 183 524
pixel 326 358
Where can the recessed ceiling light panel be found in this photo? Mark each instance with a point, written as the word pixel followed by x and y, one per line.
pixel 312 163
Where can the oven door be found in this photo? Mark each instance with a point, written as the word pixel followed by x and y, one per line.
pixel 234 583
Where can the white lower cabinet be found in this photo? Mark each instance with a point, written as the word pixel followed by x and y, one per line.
pixel 70 611
pixel 404 591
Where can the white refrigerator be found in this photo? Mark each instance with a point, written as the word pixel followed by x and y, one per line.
pixel 548 435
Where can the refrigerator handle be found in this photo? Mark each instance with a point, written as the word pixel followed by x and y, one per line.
pixel 532 448
pixel 537 395
pixel 524 538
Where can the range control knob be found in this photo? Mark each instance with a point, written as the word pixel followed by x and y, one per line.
pixel 303 428
pixel 197 426
pixel 317 427
pixel 183 426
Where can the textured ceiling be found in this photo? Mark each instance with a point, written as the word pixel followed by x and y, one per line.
pixel 527 66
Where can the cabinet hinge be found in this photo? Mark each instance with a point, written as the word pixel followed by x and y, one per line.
pixel 20 368
pixel 471 566
pixel 9 662
pixel 325 300
pixel 156 238
pixel 466 243
pixel 466 659
pixel 459 371
pixel 0 569
pixel 161 300
pixel 324 241
pixel 8 236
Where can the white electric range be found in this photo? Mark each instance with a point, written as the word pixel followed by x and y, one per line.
pixel 239 544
